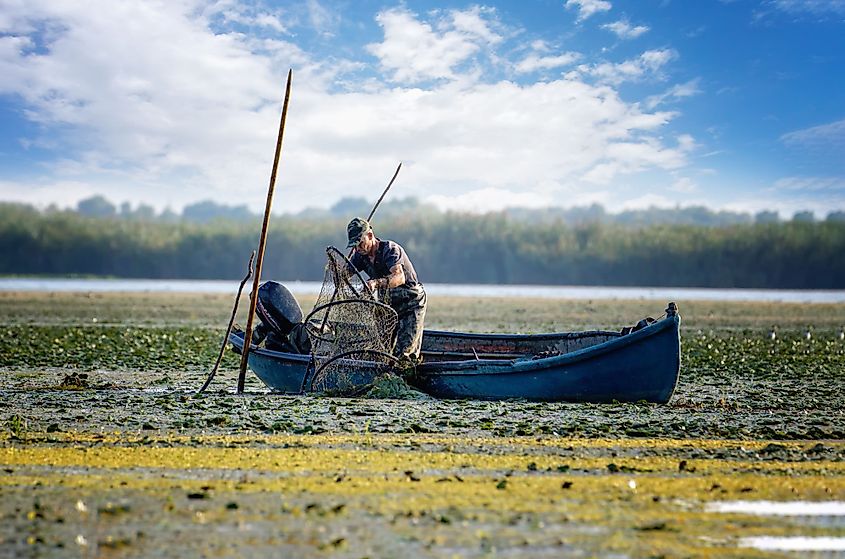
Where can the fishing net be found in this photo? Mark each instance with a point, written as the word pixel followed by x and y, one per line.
pixel 352 333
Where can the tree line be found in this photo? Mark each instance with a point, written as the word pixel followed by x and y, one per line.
pixel 207 210
pixel 445 247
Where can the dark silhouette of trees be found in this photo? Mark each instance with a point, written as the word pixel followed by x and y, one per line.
pixel 96 206
pixel 804 216
pixel 206 211
pixel 766 217
pixel 445 247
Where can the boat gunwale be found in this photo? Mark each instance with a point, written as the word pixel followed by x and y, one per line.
pixel 524 364
pixel 491 366
pixel 517 337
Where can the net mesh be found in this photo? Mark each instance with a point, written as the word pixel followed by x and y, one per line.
pixel 352 333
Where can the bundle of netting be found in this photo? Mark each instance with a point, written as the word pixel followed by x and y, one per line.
pixel 352 334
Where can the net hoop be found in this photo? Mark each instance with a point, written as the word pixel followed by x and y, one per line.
pixel 315 333
pixel 329 251
pixel 394 361
pixel 352 333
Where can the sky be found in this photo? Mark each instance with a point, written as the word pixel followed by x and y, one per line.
pixel 731 104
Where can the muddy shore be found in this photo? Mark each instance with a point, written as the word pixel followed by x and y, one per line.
pixel 106 452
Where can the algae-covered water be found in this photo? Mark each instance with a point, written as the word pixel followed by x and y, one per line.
pixel 106 452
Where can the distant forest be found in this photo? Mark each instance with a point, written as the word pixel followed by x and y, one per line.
pixel 692 247
pixel 207 211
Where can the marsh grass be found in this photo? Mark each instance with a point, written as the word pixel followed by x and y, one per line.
pixel 131 463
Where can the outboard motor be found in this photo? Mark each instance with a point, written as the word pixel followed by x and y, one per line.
pixel 281 325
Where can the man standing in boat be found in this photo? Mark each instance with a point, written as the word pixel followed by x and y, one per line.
pixel 390 270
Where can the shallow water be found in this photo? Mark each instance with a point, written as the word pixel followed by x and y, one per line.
pixel 577 292
pixel 807 516
pixel 160 472
pixel 773 508
pixel 796 543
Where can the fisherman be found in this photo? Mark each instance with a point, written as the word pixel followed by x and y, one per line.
pixel 390 270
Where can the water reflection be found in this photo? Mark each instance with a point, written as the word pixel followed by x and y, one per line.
pixel 441 289
pixel 823 514
pixel 778 508
pixel 799 543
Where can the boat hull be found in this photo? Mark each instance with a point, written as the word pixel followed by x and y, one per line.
pixel 643 365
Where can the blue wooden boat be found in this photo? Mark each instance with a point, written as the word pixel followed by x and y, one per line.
pixel 593 366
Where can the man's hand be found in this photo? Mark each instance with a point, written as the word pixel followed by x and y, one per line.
pixel 395 279
pixel 375 284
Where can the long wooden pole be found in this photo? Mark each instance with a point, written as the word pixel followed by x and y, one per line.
pixel 380 198
pixel 306 379
pixel 373 211
pixel 369 218
pixel 229 327
pixel 263 241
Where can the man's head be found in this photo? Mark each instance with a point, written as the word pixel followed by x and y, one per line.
pixel 356 231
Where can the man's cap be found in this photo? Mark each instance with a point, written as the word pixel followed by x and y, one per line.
pixel 356 229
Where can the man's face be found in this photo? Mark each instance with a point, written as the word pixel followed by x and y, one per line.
pixel 363 246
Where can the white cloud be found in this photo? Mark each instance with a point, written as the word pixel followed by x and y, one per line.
pixel 678 91
pixel 831 135
pixel 648 201
pixel 148 89
pixel 63 192
pixel 153 102
pixel 624 30
pixel 271 21
pixel 323 19
pixel 786 207
pixel 648 63
pixel 587 8
pixel 684 185
pixel 414 51
pixel 686 143
pixel 539 45
pixel 797 10
pixel 627 157
pixel 809 184
pixel 472 22
pixel 500 135
pixel 231 11
pixel 820 195
pixel 490 199
pixel 654 59
pixel 532 62
pixel 817 7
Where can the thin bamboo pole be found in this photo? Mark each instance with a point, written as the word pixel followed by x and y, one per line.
pixel 306 380
pixel 373 211
pixel 229 327
pixel 263 241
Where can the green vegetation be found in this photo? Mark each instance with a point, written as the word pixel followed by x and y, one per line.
pixel 106 450
pixel 17 427
pixel 454 248
pixel 736 382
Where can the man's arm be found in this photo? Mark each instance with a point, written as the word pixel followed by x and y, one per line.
pixel 395 279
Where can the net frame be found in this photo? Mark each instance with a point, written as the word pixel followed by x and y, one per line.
pixel 352 333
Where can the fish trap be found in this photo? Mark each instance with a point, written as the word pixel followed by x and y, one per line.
pixel 352 333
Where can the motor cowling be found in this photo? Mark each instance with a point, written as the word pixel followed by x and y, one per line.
pixel 277 308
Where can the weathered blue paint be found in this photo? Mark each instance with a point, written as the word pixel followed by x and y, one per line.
pixel 643 365
pixel 591 367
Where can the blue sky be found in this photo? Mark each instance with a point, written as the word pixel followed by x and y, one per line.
pixel 731 104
